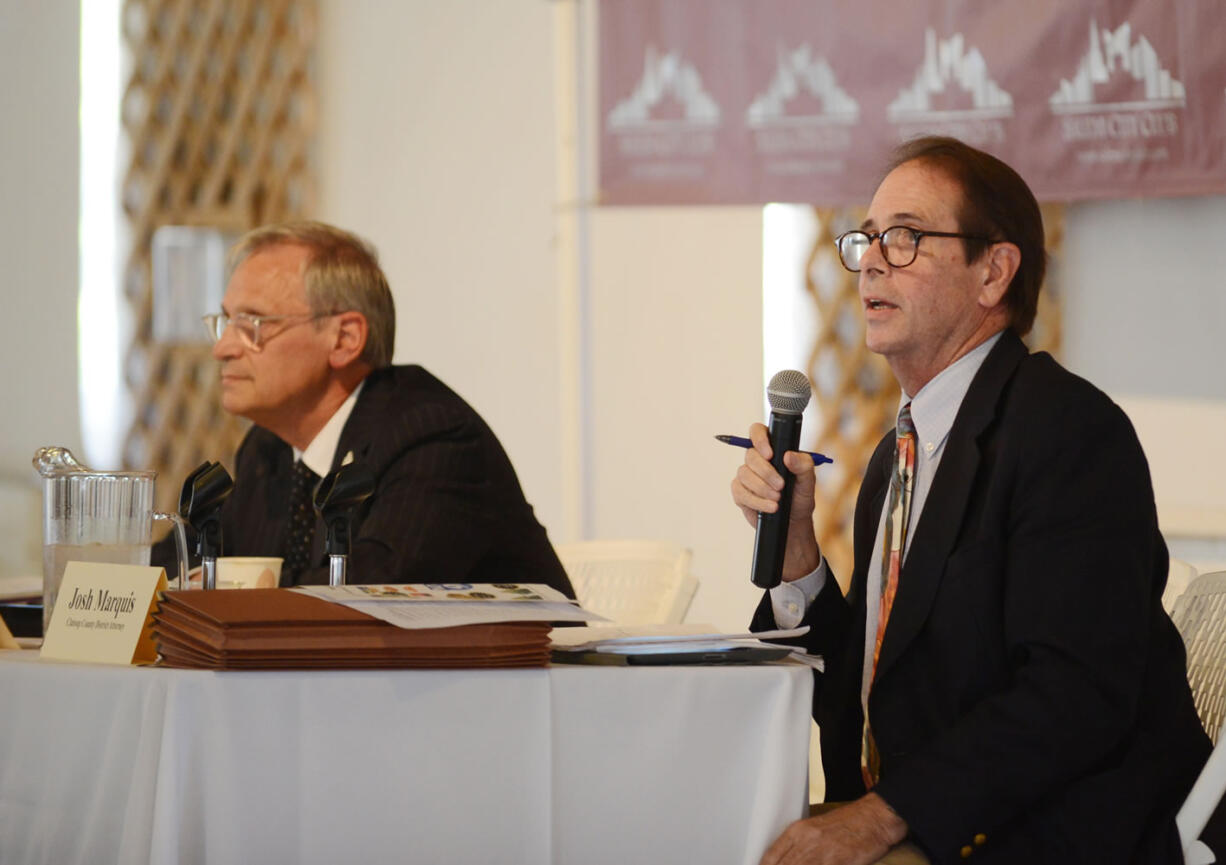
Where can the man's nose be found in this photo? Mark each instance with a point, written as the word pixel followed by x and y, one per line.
pixel 873 258
pixel 229 345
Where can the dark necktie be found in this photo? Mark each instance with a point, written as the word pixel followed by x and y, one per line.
pixel 895 544
pixel 301 520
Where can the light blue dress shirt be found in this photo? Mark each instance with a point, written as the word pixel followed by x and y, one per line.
pixel 933 410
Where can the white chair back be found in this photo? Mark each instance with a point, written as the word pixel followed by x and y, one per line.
pixel 1200 615
pixel 631 582
pixel 1179 576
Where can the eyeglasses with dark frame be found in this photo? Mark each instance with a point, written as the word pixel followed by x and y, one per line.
pixel 248 325
pixel 899 244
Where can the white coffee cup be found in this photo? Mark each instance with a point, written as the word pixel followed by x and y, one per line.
pixel 248 572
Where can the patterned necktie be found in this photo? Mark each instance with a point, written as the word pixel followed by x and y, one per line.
pixel 301 520
pixel 892 551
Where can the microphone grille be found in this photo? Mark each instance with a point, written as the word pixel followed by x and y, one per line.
pixel 788 391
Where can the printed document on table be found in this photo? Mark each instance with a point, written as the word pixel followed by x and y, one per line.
pixel 444 605
pixel 441 593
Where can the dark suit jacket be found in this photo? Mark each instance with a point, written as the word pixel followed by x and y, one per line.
pixel 447 505
pixel 1030 690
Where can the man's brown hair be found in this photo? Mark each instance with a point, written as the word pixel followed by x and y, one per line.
pixel 997 204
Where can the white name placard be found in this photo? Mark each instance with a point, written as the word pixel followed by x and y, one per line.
pixel 104 614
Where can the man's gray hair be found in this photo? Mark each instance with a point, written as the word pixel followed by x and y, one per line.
pixel 341 274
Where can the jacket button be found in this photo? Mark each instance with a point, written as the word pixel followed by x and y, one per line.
pixel 981 839
pixel 967 851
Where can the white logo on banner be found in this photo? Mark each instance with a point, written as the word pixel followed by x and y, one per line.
pixel 787 130
pixel 1113 55
pixel 797 71
pixel 949 67
pixel 667 125
pixel 665 76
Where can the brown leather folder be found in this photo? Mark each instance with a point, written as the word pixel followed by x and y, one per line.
pixel 282 629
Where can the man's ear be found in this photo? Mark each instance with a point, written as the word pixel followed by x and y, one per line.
pixel 350 341
pixel 1003 260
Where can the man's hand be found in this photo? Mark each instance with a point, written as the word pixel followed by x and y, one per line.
pixel 858 833
pixel 757 487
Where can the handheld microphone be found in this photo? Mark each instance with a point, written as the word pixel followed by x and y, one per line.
pixel 788 394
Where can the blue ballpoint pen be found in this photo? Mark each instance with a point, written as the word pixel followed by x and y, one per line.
pixel 742 442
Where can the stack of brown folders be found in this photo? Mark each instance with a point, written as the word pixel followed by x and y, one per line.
pixel 266 629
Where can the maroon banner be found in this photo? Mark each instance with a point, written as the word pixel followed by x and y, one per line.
pixel 751 101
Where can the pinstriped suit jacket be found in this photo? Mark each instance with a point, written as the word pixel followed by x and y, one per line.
pixel 447 505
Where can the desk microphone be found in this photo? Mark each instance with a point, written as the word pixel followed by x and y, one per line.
pixel 788 394
pixel 337 498
pixel 204 492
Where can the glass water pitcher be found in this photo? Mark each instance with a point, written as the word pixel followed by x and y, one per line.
pixel 96 516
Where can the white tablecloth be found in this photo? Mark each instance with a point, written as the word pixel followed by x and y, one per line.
pixel 567 765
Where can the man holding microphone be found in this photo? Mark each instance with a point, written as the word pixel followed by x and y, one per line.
pixel 1002 684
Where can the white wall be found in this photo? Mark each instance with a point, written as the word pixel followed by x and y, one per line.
pixel 440 139
pixel 676 348
pixel 1145 295
pixel 1145 319
pixel 38 245
pixel 436 142
pixel 38 228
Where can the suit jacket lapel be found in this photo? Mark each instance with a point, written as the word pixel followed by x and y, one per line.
pixel 868 516
pixel 867 519
pixel 942 518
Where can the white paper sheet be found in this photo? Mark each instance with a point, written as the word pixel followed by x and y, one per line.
pixel 610 638
pixel 626 640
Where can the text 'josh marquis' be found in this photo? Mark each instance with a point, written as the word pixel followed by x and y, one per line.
pixel 106 602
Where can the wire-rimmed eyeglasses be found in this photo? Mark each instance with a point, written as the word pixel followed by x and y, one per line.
pixel 899 244
pixel 248 326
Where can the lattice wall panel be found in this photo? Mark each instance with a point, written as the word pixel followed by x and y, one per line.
pixel 1047 333
pixel 855 392
pixel 219 115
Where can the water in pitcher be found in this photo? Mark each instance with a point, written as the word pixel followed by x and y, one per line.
pixel 57 556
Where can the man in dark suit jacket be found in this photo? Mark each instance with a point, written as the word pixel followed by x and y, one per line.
pixel 1028 702
pixel 305 342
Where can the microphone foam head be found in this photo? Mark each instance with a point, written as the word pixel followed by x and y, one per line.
pixel 788 392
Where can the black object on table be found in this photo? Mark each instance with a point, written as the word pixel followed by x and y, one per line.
pixel 24 620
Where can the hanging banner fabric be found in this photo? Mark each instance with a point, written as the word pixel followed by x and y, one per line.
pixel 750 101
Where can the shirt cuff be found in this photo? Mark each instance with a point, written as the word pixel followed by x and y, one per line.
pixel 790 601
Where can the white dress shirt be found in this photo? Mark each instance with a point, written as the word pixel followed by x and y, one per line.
pixel 321 452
